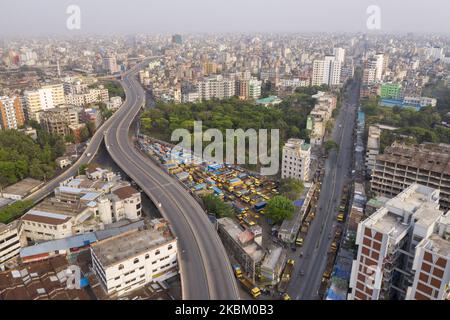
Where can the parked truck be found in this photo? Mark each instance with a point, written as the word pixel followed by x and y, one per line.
pixel 237 271
pixel 253 290
pixel 302 235
pixel 286 276
pixel 261 205
pixel 329 267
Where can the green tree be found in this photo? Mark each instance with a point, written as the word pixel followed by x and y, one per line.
pixel 84 134
pixel 14 210
pixel 291 188
pixel 280 208
pixel 330 145
pixel 217 207
pixel 69 138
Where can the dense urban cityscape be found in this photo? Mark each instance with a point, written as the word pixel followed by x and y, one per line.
pixel 100 200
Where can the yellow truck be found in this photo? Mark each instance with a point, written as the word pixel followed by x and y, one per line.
pixel 286 297
pixel 237 271
pixel 333 247
pixel 286 276
pixel 299 241
pixel 340 217
pixel 253 290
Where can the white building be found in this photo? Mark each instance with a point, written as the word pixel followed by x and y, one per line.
pixel 296 160
pixel 47 97
pixel 390 246
pixel 83 205
pixel 432 265
pixel 254 88
pixel 420 101
pixel 217 87
pixel 130 261
pixel 373 147
pixel 326 71
pixel 379 58
pixel 10 241
pixel 339 54
pixel 114 103
pixel 90 96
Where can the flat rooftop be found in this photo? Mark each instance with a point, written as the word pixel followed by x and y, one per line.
pixel 115 250
pixel 417 200
pixel 23 187
pixel 234 230
pixel 388 223
pixel 271 260
pixel 432 157
pixel 413 197
pixel 437 245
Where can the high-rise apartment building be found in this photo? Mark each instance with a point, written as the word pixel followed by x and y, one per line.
pixel 373 147
pixel 254 88
pixel 326 71
pixel 401 165
pixel 242 89
pixel 392 244
pixel 339 54
pixel 11 113
pixel 110 64
pixel 296 160
pixel 380 66
pixel 432 265
pixel 44 98
pixel 216 87
pixel 369 75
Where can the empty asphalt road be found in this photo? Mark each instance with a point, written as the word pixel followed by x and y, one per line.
pixel 204 266
pixel 338 167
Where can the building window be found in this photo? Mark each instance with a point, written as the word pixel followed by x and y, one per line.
pixel 136 261
pixel 120 266
pixel 157 252
pixel 147 256
pixel 169 247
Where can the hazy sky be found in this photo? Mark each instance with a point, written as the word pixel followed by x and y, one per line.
pixel 48 17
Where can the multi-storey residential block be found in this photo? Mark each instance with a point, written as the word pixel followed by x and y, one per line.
pixel 216 87
pixel 387 244
pixel 110 64
pixel 373 147
pixel 83 205
pixel 432 265
pixel 401 165
pixel 11 113
pixel 130 261
pixel 327 71
pixel 391 91
pixel 44 98
pixel 296 160
pixel 11 241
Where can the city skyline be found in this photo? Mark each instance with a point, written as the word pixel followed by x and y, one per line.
pixel 108 17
